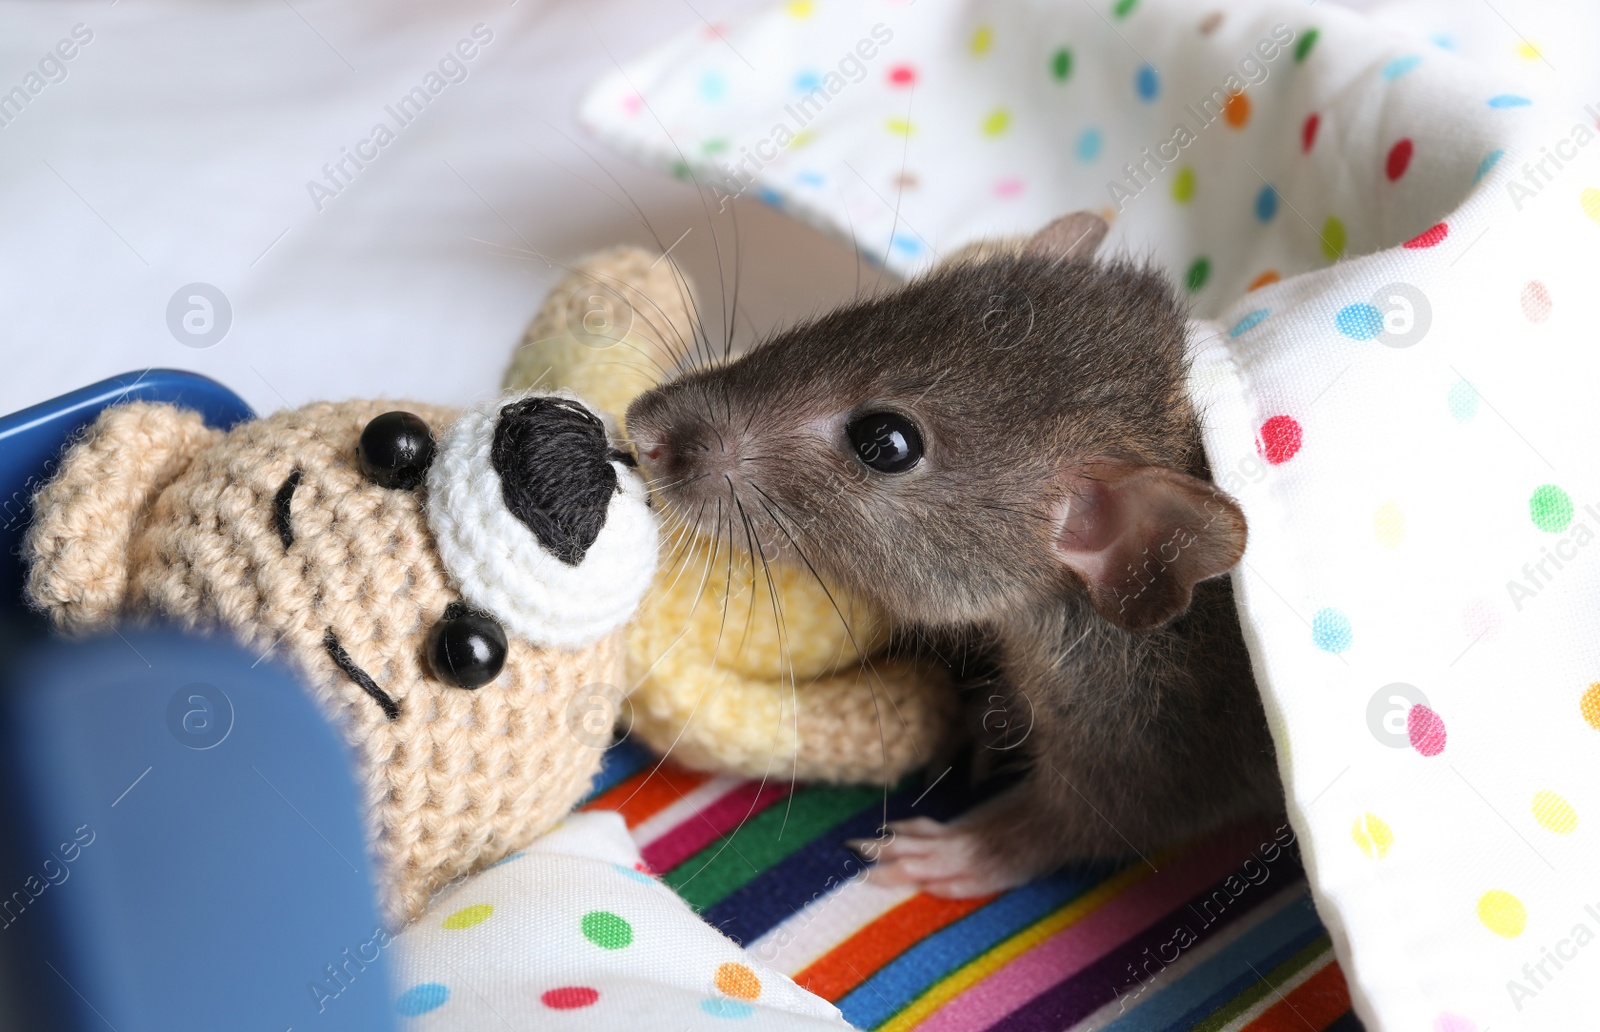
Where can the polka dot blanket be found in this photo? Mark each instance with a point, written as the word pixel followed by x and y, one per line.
pixel 1392 253
pixel 572 933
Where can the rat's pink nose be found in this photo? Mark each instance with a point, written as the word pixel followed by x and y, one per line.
pixel 654 451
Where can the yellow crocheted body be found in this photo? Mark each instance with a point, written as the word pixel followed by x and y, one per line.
pixel 733 666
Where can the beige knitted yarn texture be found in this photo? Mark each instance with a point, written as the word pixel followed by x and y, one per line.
pixel 154 515
pixel 608 331
pixel 718 680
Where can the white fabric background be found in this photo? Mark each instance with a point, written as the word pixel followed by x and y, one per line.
pixel 185 132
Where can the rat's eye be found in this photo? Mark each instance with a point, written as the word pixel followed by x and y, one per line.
pixel 395 450
pixel 886 441
pixel 466 648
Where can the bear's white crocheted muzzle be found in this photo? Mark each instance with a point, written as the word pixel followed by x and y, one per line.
pixel 499 563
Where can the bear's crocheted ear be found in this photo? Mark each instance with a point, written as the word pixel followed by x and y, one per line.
pixel 85 518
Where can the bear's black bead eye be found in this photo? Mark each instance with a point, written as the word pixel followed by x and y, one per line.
pixel 395 450
pixel 467 648
pixel 886 441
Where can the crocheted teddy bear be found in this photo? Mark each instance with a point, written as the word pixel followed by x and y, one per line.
pixel 719 679
pixel 449 585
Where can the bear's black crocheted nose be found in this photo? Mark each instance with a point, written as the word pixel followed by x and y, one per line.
pixel 555 472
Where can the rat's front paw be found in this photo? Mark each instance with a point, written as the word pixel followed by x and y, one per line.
pixel 939 859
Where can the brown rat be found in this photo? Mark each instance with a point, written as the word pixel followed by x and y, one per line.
pixel 1006 447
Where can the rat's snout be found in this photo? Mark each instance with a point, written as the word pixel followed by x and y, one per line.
pixel 679 445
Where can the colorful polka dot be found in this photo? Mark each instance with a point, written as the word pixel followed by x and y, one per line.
pixel 1490 160
pixel 1330 630
pixel 606 930
pixel 1199 272
pixel 805 82
pixel 1308 131
pixel 1480 619
pixel 420 999
pixel 1463 401
pixel 982 39
pixel 1509 100
pixel 1589 706
pixel 1236 110
pixel 1447 1022
pixel 1209 25
pixel 1089 143
pixel 1183 185
pixel 1536 301
pixel 1400 66
pixel 1124 8
pixel 1528 52
pixel 1061 65
pixel 902 75
pixel 1389 524
pixel 1266 204
pixel 1425 728
pixel 1009 188
pixel 1303 47
pixel 1433 236
pixel 1147 83
pixel 1333 239
pixel 738 981
pixel 713 86
pixel 1249 322
pixel 1399 159
pixel 468 916
pixel 719 1007
pixel 1372 836
pixel 1554 813
pixel 1551 509
pixel 897 125
pixel 1590 201
pixel 996 122
pixel 905 245
pixel 570 997
pixel 1279 439
pixel 1265 279
pixel 1502 913
pixel 634 875
pixel 1360 321
pixel 800 8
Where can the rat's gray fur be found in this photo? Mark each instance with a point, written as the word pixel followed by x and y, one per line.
pixel 1021 369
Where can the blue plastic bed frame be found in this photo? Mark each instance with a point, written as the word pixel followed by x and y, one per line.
pixel 182 845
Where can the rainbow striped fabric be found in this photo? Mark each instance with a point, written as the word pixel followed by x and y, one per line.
pixel 1220 935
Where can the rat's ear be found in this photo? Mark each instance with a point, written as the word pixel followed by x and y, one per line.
pixel 1077 235
pixel 77 547
pixel 1141 537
